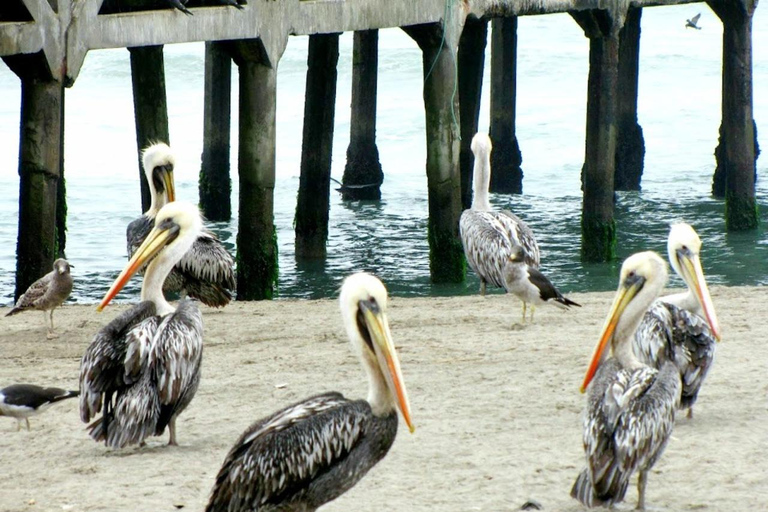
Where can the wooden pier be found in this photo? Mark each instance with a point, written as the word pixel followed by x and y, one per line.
pixel 45 43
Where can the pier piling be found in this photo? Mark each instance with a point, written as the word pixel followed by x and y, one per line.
pixel 363 166
pixel 313 203
pixel 446 255
pixel 598 227
pixel 506 158
pixel 215 186
pixel 150 106
pixel 471 65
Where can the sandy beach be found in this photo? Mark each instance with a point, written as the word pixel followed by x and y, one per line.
pixel 497 409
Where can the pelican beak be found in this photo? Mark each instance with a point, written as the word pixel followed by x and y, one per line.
pixel 169 185
pixel 384 349
pixel 159 237
pixel 694 278
pixel 627 291
pixel 162 176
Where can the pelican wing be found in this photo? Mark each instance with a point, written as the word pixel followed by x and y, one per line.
pixel 113 359
pixel 520 233
pixel 486 243
pixel 279 457
pixel 33 295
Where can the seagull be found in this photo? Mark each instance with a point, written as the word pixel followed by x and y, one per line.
pixel 25 400
pixel 47 293
pixel 692 23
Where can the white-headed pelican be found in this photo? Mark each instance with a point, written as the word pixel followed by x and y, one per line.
pixel 145 364
pixel 631 406
pixel 313 451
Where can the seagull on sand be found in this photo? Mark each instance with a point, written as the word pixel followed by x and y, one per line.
pixel 47 293
pixel 692 23
pixel 25 400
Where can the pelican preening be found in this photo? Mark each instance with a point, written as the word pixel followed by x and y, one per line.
pixel 21 401
pixel 47 293
pixel 631 407
pixel 530 285
pixel 488 236
pixel 145 364
pixel 206 271
pixel 683 327
pixel 313 451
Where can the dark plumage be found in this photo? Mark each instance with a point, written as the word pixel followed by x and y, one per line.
pixel 25 400
pixel 47 293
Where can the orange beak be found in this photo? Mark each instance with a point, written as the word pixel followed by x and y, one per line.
pixel 694 278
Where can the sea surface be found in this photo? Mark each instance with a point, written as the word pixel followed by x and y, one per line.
pixel 679 110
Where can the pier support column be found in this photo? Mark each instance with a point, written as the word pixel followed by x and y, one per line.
pixel 40 162
pixel 256 234
pixel 598 227
pixel 150 107
pixel 311 222
pixel 506 159
pixel 363 166
pixel 630 144
pixel 214 185
pixel 471 65
pixel 737 150
pixel 446 255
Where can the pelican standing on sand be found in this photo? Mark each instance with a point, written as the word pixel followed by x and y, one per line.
pixel 206 271
pixel 631 406
pixel 25 400
pixel 673 329
pixel 47 293
pixel 145 364
pixel 488 236
pixel 313 451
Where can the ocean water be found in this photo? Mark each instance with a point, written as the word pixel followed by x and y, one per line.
pixel 679 110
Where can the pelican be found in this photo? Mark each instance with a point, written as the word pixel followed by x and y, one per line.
pixel 530 285
pixel 313 451
pixel 145 364
pixel 631 406
pixel 693 22
pixel 206 272
pixel 673 329
pixel 488 236
pixel 47 293
pixel 25 400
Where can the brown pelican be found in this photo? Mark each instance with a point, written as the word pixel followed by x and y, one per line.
pixel 488 236
pixel 673 328
pixel 145 364
pixel 47 293
pixel 206 272
pixel 530 285
pixel 25 400
pixel 313 451
pixel 631 406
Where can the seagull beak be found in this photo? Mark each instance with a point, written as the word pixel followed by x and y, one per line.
pixel 384 349
pixel 159 237
pixel 627 291
pixel 694 278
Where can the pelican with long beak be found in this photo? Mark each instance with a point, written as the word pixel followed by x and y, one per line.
pixel 683 327
pixel 631 406
pixel 206 271
pixel 144 366
pixel 313 451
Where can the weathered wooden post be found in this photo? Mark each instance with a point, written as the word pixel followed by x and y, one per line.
pixel 598 227
pixel 471 65
pixel 446 255
pixel 363 166
pixel 506 159
pixel 737 150
pixel 150 106
pixel 311 222
pixel 256 235
pixel 630 144
pixel 40 161
pixel 214 185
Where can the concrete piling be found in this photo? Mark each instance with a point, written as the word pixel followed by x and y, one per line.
pixel 363 174
pixel 214 185
pixel 150 106
pixel 506 158
pixel 446 255
pixel 311 221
